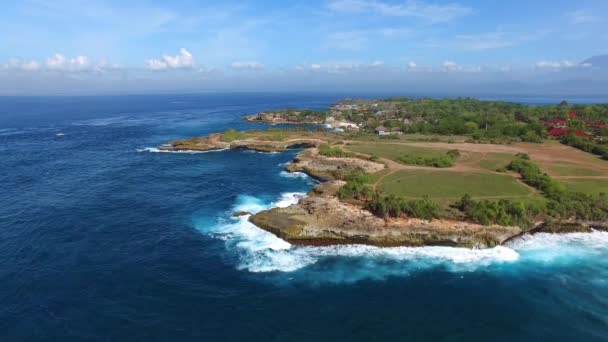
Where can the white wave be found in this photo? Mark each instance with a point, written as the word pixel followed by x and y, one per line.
pixel 250 204
pixel 261 152
pixel 261 251
pixel 288 199
pixel 561 248
pixel 293 175
pixel 157 150
pixel 60 134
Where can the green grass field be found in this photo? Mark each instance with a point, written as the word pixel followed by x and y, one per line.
pixel 443 185
pixel 495 161
pixel 588 186
pixel 562 168
pixel 394 151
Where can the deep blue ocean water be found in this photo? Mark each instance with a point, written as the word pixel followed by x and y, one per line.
pixel 104 239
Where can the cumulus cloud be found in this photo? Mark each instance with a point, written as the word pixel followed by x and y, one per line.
pixel 411 8
pixel 183 60
pixel 247 65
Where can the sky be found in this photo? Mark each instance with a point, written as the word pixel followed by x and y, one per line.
pixel 110 46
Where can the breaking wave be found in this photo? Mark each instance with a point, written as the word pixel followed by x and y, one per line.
pixel 157 150
pixel 293 175
pixel 260 251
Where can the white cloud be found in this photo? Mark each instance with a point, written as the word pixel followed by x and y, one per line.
pixel 411 8
pixel 449 66
pixel 61 63
pixel 183 60
pixel 247 65
pixel 582 17
pixel 341 67
pixel 30 66
pixel 411 65
pixel 556 65
pixel 16 64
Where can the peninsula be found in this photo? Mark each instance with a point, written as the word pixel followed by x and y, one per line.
pixel 415 172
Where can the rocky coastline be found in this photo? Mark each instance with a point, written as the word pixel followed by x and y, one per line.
pixel 213 142
pixel 322 219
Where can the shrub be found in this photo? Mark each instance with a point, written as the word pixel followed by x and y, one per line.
pixel 446 160
pixel 393 206
pixel 502 212
pixel 328 151
pixel 356 186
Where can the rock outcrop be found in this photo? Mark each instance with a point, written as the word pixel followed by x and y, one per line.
pixel 213 142
pixel 325 168
pixel 324 220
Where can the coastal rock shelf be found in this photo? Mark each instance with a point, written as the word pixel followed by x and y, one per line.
pixel 324 220
pixel 214 142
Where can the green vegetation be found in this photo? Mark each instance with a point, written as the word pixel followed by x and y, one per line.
pixel 532 175
pixel 395 151
pixel 483 120
pixel 587 186
pixel 356 186
pixel 495 161
pixel 449 186
pixel 276 134
pixel 563 203
pixel 301 115
pixel 587 145
pixel 232 135
pixel 443 161
pixel 561 168
pixel 328 151
pixel 394 206
pixel 503 212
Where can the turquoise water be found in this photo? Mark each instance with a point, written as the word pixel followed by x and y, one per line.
pixel 104 238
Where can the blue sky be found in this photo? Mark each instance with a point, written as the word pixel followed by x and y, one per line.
pixel 102 45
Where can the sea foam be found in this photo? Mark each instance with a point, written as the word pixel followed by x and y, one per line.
pixel 260 251
pixel 157 150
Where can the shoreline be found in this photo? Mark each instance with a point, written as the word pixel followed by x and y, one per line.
pixel 323 219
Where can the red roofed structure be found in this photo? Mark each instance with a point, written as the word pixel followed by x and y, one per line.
pixel 580 133
pixel 558 132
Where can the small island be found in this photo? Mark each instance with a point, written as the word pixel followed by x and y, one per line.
pixel 449 172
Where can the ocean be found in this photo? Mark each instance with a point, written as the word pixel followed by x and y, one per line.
pixel 104 238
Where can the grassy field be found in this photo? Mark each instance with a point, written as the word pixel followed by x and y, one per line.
pixel 443 185
pixel 588 186
pixel 412 138
pixel 495 161
pixel 562 168
pixel 394 151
